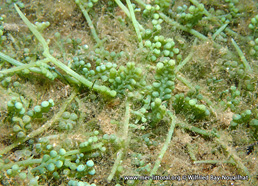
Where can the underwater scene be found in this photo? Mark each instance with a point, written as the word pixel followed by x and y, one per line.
pixel 128 92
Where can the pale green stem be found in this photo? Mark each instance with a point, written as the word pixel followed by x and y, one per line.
pixel 165 146
pixel 25 66
pixel 190 152
pixel 123 7
pixel 115 166
pixel 135 23
pixel 184 81
pixel 242 57
pixel 233 155
pixel 195 129
pixel 85 149
pixel 82 114
pixel 126 121
pixel 141 3
pixel 23 163
pixel 219 31
pixel 17 63
pixel 92 29
pixel 125 141
pixel 182 64
pixel 214 161
pixel 10 60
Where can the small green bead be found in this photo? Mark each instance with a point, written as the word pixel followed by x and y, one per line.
pixel 26 119
pixel 66 115
pixel 254 123
pixel 51 167
pixel 90 4
pixel 80 168
pixel 193 102
pixel 21 134
pixel 112 93
pixel 201 107
pixel 53 153
pixel 103 149
pixel 158 44
pixel 57 35
pixel 167 91
pixel 62 152
pixel 15 167
pixel 38 146
pixel 167 97
pixel 34 181
pixel 37 109
pixel 154 22
pixel 155 94
pixel 148 7
pixel 113 54
pixel 9 171
pixel 256 17
pixel 10 104
pixel 92 172
pixel 90 163
pixel 156 16
pixel 171 62
pixel 192 9
pixel 45 158
pixel 158 27
pixel 236 117
pixel 73 117
pixel 156 51
pixel 166 53
pixel 17 128
pixel 56 175
pixel 251 26
pixel 248 112
pixel 158 101
pixel 156 84
pixel 160 65
pixel 170 83
pixel 95 139
pixel 59 163
pixel 16 84
pixel 23 175
pixel 153 58
pixel 49 147
pixel 105 137
pixel 233 124
pixel 18 105
pixel 69 40
pixel 66 172
pixel 176 50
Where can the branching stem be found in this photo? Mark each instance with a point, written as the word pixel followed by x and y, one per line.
pixel 59 64
pixel 242 57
